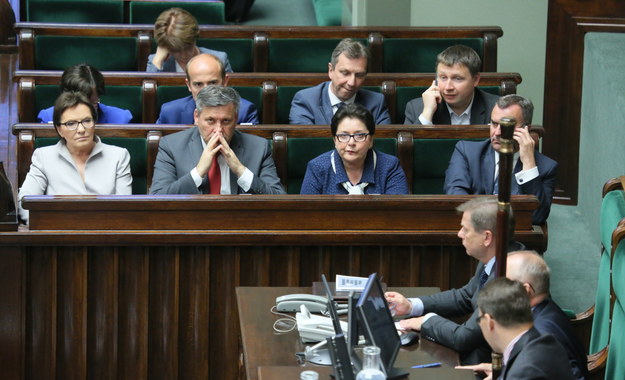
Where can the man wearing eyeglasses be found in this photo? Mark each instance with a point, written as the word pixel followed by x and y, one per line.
pixel 473 168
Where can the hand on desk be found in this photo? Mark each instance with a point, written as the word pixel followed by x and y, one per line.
pixel 480 369
pixel 398 304
pixel 411 323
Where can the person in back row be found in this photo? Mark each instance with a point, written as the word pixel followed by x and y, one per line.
pixel 175 33
pixel 347 71
pixel 453 98
pixel 354 167
pixel 203 70
pixel 87 80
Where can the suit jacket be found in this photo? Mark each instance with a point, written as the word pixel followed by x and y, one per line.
pixel 483 103
pixel 550 319
pixel 106 115
pixel 180 152
pixel 536 356
pixel 465 338
pixel 169 65
pixel 180 111
pixel 312 106
pixel 386 178
pixel 53 172
pixel 472 170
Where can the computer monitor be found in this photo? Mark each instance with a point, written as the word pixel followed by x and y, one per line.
pixel 334 315
pixel 378 326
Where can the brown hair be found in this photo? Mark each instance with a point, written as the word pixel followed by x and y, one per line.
pixel 176 29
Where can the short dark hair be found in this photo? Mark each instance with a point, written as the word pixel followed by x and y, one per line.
pixel 215 96
pixel 352 49
pixel 82 78
pixel 461 54
pixel 69 99
pixel 506 301
pixel 527 107
pixel 353 111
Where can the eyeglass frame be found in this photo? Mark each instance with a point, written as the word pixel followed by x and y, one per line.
pixel 79 122
pixel 356 136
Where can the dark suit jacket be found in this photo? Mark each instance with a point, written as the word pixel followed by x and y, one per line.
pixel 466 338
pixel 537 356
pixel 550 319
pixel 180 111
pixel 312 106
pixel 472 169
pixel 178 153
pixel 483 103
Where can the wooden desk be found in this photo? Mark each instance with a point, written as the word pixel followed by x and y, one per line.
pixel 271 355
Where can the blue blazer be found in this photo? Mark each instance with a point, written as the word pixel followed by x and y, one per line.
pixel 169 65
pixel 472 169
pixel 106 115
pixel 180 111
pixel 483 104
pixel 550 319
pixel 386 178
pixel 312 106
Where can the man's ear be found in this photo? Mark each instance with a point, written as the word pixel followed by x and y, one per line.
pixel 488 238
pixel 476 80
pixel 186 81
pixel 490 322
pixel 196 116
pixel 226 78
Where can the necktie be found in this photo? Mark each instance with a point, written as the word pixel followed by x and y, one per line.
pixel 496 186
pixel 214 177
pixel 483 277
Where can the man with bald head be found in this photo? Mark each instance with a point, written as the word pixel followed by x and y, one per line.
pixel 532 271
pixel 203 70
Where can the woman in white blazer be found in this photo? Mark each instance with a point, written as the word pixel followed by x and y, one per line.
pixel 79 164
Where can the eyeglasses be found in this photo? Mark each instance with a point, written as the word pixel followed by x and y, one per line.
pixel 72 125
pixel 358 137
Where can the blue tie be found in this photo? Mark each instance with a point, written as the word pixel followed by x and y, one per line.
pixel 483 277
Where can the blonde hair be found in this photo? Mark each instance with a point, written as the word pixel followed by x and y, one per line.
pixel 176 29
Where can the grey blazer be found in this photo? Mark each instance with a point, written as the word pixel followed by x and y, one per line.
pixel 180 152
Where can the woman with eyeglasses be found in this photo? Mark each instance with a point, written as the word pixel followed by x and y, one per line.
pixel 79 164
pixel 354 167
pixel 88 81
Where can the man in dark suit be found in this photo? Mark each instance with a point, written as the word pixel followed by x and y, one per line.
pixel 213 157
pixel 473 168
pixel 506 322
pixel 453 98
pixel 347 71
pixel 203 70
pixel 478 229
pixel 530 269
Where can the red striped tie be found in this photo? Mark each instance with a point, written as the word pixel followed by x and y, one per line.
pixel 214 177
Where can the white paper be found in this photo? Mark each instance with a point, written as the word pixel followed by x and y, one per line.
pixel 347 283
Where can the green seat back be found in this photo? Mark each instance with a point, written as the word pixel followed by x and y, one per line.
pixel 75 11
pixel 104 53
pixel 206 12
pixel 406 94
pixel 300 152
pixel 418 55
pixel 430 161
pixel 328 12
pixel 615 366
pixel 284 97
pixel 386 145
pixel 239 51
pixel 137 148
pixel 254 94
pixel 125 97
pixel 166 94
pixel 310 55
pixel 612 211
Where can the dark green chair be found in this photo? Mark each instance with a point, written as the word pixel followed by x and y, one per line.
pixel 206 12
pixel 615 366
pixel 137 147
pixel 75 11
pixel 126 97
pixel 104 53
pixel 239 51
pixel 407 55
pixel 406 94
pixel 300 55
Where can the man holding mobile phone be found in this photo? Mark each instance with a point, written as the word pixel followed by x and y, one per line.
pixel 453 98
pixel 473 168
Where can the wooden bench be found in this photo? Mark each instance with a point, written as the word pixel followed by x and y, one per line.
pixel 144 93
pixel 251 48
pixel 423 151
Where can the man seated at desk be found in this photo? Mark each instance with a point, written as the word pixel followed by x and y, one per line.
pixel 213 157
pixel 474 169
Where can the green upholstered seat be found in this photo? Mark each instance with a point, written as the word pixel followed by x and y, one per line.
pixel 137 147
pixel 406 94
pixel 328 12
pixel 239 51
pixel 75 11
pixel 206 12
pixel 301 55
pixel 104 53
pixel 407 55
pixel 125 97
pixel 612 211
pixel 254 95
pixel 615 367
